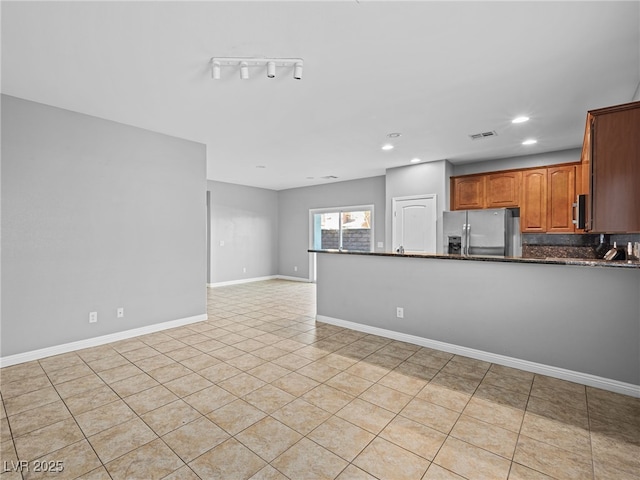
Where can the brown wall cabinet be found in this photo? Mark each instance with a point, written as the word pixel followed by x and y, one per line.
pixel 468 192
pixel 611 163
pixel 560 198
pixel 503 189
pixel 533 204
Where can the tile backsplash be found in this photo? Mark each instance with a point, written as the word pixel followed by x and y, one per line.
pixel 542 245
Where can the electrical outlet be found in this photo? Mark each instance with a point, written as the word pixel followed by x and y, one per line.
pixel 244 269
pixel 295 269
pixel 222 243
pixel 93 317
pixel 399 312
pixel 380 244
pixel 120 312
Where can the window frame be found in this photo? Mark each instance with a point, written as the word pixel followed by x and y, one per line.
pixel 340 211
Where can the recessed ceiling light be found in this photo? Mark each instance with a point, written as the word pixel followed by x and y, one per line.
pixel 260 166
pixel 387 146
pixel 531 141
pixel 415 160
pixel 393 135
pixel 520 119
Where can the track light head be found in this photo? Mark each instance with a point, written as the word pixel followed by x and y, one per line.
pixel 297 71
pixel 271 69
pixel 215 70
pixel 244 70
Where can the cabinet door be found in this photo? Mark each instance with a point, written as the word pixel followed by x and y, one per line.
pixel 533 207
pixel 468 192
pixel 616 170
pixel 503 189
pixel 561 196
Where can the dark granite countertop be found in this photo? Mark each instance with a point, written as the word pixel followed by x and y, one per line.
pixel 584 262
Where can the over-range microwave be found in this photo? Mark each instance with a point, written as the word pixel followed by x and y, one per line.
pixel 580 211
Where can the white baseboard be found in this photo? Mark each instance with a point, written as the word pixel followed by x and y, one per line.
pixel 293 279
pixel 564 374
pixel 238 282
pixel 96 341
pixel 256 279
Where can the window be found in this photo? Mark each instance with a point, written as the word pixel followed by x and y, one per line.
pixel 346 228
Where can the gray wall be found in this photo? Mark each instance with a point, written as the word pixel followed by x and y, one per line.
pixel 246 220
pixel 527 161
pixel 96 215
pixel 293 209
pixel 541 313
pixel 636 95
pixel 422 178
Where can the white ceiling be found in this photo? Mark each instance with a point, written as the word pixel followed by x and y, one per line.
pixel 434 71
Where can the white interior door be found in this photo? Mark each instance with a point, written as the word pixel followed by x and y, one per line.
pixel 414 223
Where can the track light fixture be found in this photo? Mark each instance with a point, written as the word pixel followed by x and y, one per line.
pixel 243 63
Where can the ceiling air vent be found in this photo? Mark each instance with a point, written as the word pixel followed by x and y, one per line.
pixel 329 177
pixel 480 136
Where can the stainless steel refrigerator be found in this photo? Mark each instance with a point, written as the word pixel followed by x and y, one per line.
pixel 492 232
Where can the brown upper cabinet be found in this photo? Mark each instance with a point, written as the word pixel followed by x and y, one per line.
pixel 533 204
pixel 503 189
pixel 545 195
pixel 468 192
pixel 561 187
pixel 611 169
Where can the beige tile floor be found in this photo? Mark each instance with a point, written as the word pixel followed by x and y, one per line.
pixel 262 391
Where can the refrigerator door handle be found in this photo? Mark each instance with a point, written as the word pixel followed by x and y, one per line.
pixel 468 237
pixel 464 239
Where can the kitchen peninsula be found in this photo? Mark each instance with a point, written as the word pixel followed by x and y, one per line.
pixel 569 318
